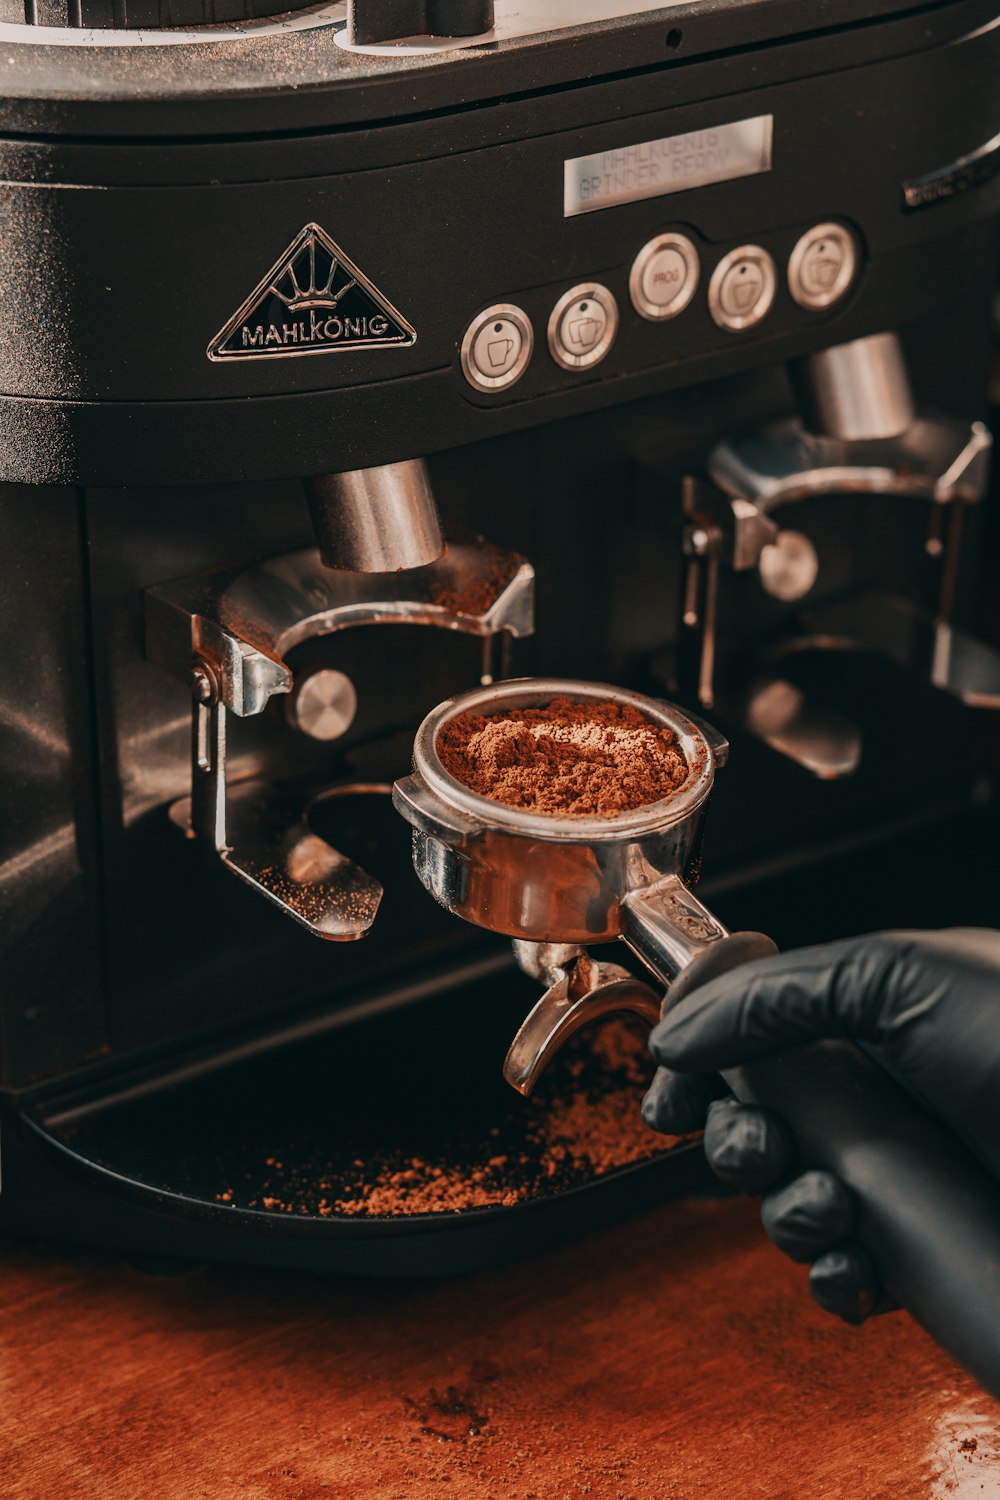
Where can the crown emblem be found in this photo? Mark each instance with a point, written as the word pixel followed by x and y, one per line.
pixel 313 300
pixel 313 294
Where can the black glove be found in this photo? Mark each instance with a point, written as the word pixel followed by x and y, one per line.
pixel 926 1006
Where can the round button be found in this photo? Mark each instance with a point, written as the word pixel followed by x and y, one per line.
pixel 822 266
pixel 789 566
pixel 664 277
pixel 582 326
pixel 497 347
pixel 323 705
pixel 741 290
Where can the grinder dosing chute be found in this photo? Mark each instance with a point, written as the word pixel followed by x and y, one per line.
pixel 555 884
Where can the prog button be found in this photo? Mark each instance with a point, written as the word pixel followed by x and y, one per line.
pixel 664 277
pixel 741 290
pixel 497 347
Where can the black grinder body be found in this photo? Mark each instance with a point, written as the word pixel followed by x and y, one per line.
pixel 159 410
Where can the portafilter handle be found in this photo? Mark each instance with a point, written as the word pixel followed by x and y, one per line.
pixel 928 1213
pixel 664 924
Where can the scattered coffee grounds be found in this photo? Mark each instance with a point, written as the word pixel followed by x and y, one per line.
pixel 580 1132
pixel 302 885
pixel 473 585
pixel 451 1415
pixel 582 1122
pixel 565 759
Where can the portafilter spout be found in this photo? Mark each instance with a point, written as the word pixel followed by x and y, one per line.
pixel 557 884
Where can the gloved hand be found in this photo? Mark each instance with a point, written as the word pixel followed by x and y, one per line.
pixel 926 1006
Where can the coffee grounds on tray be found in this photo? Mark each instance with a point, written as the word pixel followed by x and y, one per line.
pixel 582 1122
pixel 565 759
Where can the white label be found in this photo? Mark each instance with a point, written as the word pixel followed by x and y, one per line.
pixel 671 165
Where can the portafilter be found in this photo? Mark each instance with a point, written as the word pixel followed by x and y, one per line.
pixel 556 883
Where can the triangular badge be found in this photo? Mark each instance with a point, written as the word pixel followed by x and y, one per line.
pixel 313 300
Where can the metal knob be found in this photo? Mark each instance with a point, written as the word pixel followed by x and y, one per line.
pixel 323 705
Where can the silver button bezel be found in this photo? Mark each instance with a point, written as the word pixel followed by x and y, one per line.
pixel 817 301
pixel 608 305
pixel 477 378
pixel 739 322
pixel 653 311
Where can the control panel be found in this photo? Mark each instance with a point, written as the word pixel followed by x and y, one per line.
pixel 671 275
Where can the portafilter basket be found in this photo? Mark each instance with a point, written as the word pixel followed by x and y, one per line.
pixel 555 883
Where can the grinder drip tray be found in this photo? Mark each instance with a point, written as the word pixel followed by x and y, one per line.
pixel 389 1144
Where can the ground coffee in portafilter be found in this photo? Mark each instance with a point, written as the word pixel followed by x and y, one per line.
pixel 565 758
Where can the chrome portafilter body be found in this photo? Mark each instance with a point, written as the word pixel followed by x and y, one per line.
pixel 536 877
pixel 554 884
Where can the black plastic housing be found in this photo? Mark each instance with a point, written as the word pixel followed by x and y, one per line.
pixel 145 191
pixel 124 258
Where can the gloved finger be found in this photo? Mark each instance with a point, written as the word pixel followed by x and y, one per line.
pixel 844 1282
pixel 779 1002
pixel 809 1215
pixel 746 1146
pixel 677 1103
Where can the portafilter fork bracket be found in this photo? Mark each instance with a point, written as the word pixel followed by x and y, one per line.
pixel 227 635
pixel 866 439
pixel 555 884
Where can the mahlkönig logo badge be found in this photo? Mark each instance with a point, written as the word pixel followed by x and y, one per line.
pixel 313 300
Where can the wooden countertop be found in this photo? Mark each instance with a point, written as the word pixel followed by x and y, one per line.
pixel 675 1357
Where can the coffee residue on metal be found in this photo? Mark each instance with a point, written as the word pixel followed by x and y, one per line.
pixel 565 759
pixel 472 585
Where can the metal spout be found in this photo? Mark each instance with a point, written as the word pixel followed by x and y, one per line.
pixel 855 391
pixel 380 520
pixel 580 991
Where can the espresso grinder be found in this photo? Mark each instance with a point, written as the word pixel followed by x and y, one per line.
pixel 370 362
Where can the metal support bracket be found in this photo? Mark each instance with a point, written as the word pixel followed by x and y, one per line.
pixel 730 520
pixel 939 459
pixel 227 635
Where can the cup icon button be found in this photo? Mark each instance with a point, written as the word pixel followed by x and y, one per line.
pixel 823 266
pixel 584 331
pixel 820 272
pixel 499 352
pixel 582 327
pixel 496 348
pixel 742 288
